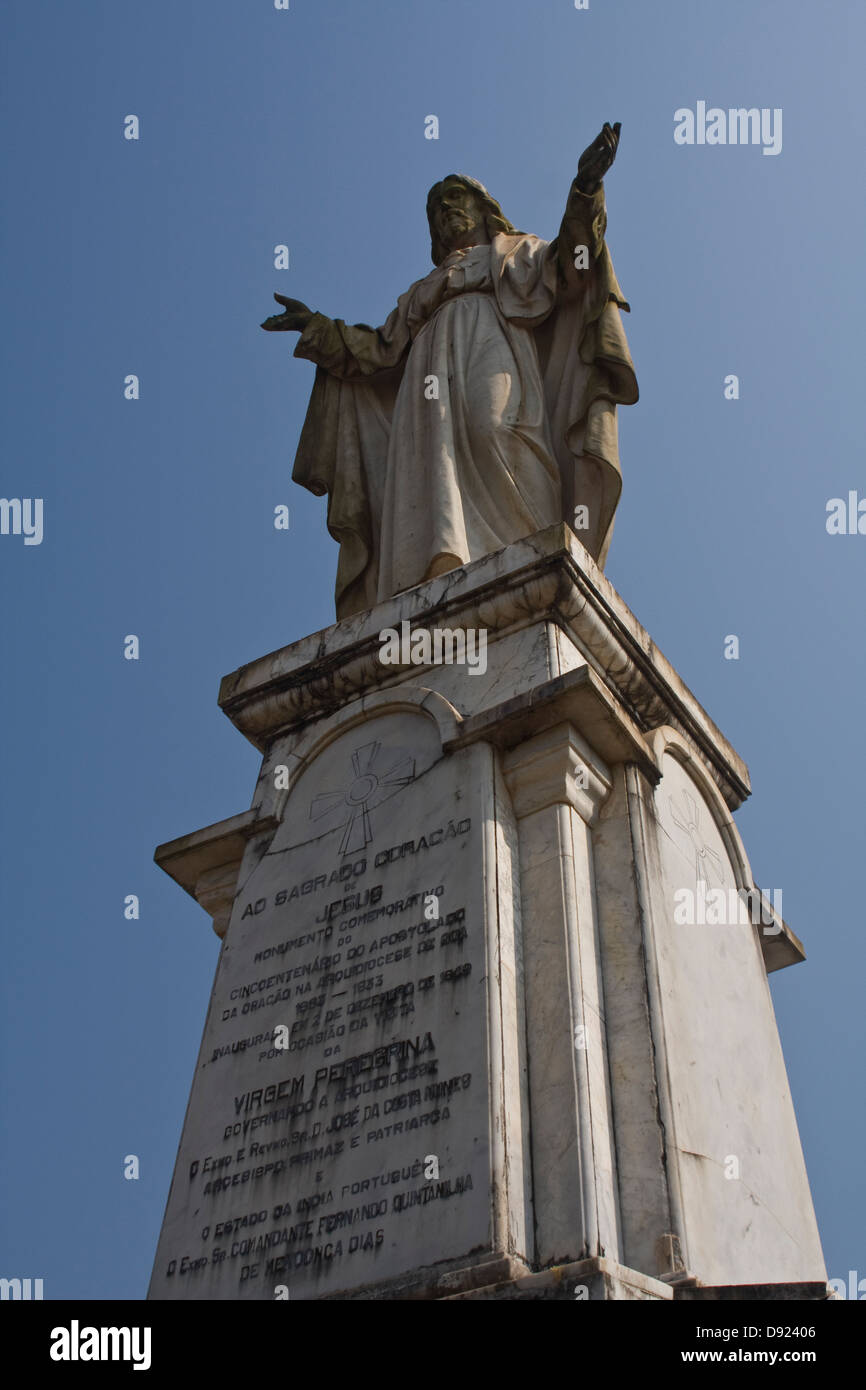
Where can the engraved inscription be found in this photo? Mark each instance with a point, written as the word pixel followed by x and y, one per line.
pixel 337 1133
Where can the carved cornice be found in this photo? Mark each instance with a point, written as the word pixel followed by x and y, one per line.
pixel 547 578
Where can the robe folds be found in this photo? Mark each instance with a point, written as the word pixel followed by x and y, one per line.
pixel 483 410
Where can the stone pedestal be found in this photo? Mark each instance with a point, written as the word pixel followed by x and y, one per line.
pixel 491 1016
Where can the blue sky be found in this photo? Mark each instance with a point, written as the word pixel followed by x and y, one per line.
pixel 155 257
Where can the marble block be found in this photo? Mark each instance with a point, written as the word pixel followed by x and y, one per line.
pixel 492 997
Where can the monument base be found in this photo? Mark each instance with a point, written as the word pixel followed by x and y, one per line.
pixel 491 1016
pixel 593 1281
pixel 602 1281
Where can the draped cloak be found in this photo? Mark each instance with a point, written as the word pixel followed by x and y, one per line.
pixel 562 332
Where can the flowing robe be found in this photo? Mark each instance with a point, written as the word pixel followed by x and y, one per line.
pixel 482 410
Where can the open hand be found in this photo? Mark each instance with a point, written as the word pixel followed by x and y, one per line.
pixel 597 158
pixel 296 316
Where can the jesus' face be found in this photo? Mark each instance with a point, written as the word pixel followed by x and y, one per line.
pixel 458 216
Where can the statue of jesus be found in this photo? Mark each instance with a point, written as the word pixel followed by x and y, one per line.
pixel 484 408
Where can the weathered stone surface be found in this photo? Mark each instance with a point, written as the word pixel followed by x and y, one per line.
pixel 585 1281
pixel 815 1291
pixel 545 606
pixel 741 1194
pixel 360 929
pixel 475 876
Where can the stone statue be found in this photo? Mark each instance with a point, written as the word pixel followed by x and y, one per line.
pixel 484 408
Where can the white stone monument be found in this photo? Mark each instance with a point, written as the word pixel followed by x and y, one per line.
pixel 491 1016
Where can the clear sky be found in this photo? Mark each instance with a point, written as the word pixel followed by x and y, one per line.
pixel 156 257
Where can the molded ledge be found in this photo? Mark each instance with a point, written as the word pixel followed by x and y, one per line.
pixel 206 863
